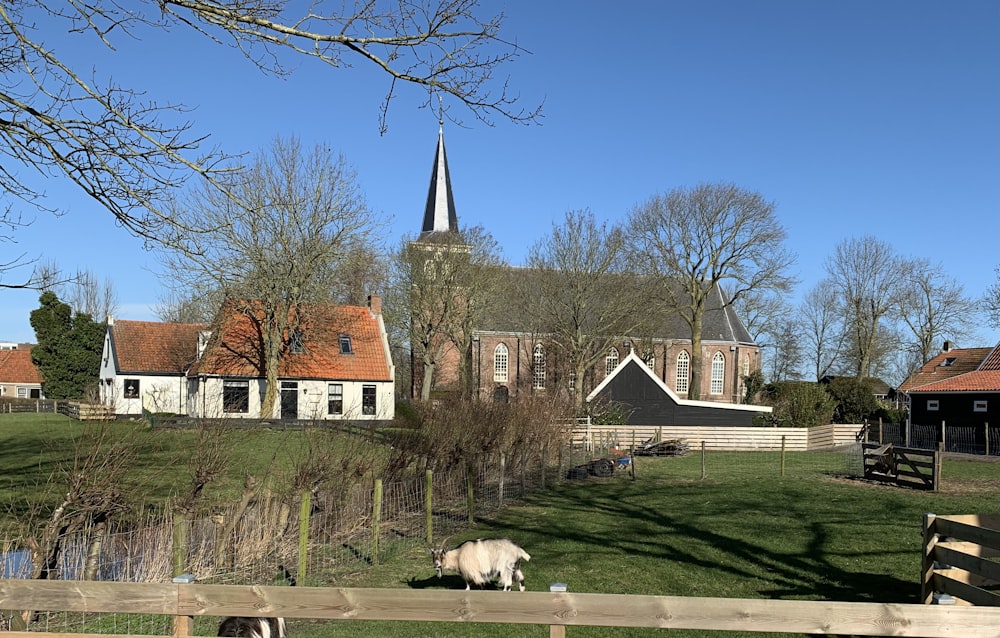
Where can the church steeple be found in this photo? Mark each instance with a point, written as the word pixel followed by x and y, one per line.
pixel 439 215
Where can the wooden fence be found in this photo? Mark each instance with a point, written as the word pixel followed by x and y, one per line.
pixel 904 466
pixel 555 609
pixel 720 438
pixel 959 559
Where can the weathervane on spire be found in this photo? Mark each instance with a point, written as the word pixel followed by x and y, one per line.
pixel 440 110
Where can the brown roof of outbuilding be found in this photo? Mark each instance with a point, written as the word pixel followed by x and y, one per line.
pixel 978 381
pixel 946 365
pixel 16 367
pixel 155 347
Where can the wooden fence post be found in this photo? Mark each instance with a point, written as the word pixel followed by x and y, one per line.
pixel 470 497
pixel 881 440
pixel 305 509
pixel 524 472
pixel 503 472
pixel 986 432
pixel 783 455
pixel 703 460
pixel 545 461
pixel 927 560
pixel 429 506
pixel 943 446
pixel 937 466
pixel 376 519
pixel 180 542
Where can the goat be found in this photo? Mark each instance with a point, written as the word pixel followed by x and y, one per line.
pixel 251 627
pixel 482 560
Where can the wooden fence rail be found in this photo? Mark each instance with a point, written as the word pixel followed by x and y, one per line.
pixel 556 609
pixel 959 558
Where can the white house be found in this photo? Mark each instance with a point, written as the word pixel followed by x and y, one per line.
pixel 335 364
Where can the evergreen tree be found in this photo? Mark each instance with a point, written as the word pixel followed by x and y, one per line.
pixel 68 354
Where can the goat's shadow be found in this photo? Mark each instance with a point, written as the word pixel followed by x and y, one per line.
pixel 444 582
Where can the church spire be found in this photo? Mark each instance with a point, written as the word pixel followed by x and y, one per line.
pixel 439 214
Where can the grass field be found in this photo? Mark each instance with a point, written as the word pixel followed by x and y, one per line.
pixel 739 533
pixel 816 537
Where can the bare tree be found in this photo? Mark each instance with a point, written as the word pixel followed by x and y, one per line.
pixel 288 225
pixel 865 273
pixel 822 324
pixel 933 306
pixel 439 295
pixel 991 301
pixel 85 294
pixel 695 239
pixel 126 150
pixel 764 314
pixel 578 292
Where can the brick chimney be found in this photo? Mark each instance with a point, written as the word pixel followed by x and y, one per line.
pixel 946 347
pixel 375 303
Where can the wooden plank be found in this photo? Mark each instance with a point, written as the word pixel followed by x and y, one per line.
pixel 977 570
pixel 985 536
pixel 944 582
pixel 89 596
pixel 602 610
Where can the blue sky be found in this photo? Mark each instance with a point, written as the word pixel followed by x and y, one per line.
pixel 854 117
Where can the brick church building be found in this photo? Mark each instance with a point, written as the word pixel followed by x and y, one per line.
pixel 505 361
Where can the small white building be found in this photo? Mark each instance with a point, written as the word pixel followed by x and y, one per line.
pixel 335 364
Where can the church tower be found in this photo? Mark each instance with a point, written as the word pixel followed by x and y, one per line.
pixel 439 260
pixel 440 219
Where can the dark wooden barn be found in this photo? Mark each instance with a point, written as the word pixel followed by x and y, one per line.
pixel 648 401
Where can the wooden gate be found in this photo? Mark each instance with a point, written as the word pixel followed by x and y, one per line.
pixel 905 466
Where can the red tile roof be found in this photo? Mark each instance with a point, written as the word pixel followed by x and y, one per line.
pixel 234 350
pixel 978 381
pixel 946 365
pixel 16 367
pixel 992 362
pixel 154 347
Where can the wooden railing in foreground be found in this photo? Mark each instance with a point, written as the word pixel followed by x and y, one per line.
pixel 957 558
pixel 556 609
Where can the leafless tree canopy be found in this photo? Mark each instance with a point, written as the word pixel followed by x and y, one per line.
pixel 991 301
pixel 695 239
pixel 578 291
pixel 283 233
pixel 128 150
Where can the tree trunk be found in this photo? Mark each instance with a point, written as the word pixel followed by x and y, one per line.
pixel 425 388
pixel 697 363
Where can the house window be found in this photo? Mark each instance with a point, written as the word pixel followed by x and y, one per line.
pixel 345 344
pixel 572 381
pixel 131 390
pixel 746 366
pixel 335 398
pixel 979 406
pixel 295 342
pixel 718 373
pixel 22 393
pixel 235 396
pixel 932 405
pixel 538 367
pixel 683 372
pixel 611 361
pixel 649 359
pixel 500 363
pixel 367 399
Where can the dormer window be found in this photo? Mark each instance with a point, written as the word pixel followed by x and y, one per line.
pixel 295 342
pixel 345 344
pixel 948 362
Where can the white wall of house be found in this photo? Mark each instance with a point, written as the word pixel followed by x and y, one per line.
pixel 205 399
pixel 131 393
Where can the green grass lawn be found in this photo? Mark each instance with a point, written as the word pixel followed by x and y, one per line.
pixel 816 537
pixel 743 532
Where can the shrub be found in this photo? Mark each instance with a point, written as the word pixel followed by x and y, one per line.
pixel 798 404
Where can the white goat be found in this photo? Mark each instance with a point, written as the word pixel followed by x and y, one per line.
pixel 482 560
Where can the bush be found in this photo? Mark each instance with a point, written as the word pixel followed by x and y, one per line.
pixel 796 404
pixel 856 402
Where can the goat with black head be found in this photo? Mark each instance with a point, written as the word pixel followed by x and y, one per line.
pixel 482 561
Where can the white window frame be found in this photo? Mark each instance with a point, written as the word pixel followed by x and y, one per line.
pixel 933 405
pixel 718 373
pixel 538 367
pixel 682 377
pixel 501 363
pixel 979 406
pixel 335 399
pixel 611 361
